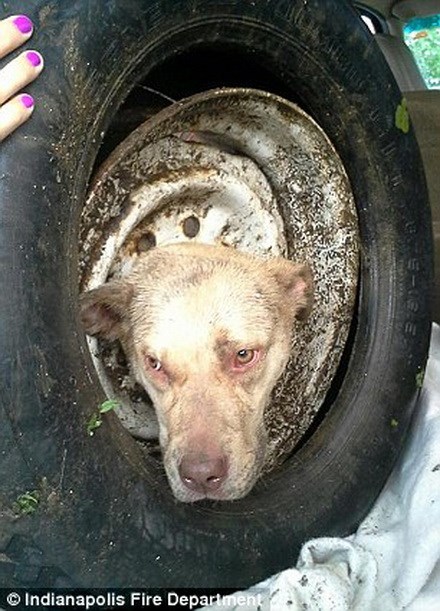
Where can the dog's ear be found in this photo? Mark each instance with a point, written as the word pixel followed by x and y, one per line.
pixel 103 309
pixel 296 282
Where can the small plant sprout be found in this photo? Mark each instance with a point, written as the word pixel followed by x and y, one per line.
pixel 419 378
pixel 27 503
pixel 95 420
pixel 108 405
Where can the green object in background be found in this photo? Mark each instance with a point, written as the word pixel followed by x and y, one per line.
pixel 422 36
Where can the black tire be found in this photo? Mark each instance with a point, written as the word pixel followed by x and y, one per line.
pixel 105 515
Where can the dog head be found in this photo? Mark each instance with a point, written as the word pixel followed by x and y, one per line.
pixel 207 331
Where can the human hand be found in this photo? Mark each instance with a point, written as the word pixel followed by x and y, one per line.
pixel 19 72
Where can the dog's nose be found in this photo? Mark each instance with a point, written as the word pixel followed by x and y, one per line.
pixel 202 473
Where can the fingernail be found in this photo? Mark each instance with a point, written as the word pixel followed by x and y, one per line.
pixel 34 58
pixel 27 100
pixel 24 24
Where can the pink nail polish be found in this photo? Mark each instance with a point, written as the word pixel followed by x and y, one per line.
pixel 34 58
pixel 27 100
pixel 23 23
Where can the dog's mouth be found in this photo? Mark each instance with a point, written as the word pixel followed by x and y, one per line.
pixel 226 493
pixel 190 496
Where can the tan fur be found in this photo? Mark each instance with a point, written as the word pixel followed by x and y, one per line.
pixel 193 307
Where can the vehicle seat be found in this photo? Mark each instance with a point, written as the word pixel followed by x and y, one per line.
pixel 401 62
pixel 424 110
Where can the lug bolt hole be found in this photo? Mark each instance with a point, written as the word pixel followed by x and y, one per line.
pixel 191 226
pixel 147 241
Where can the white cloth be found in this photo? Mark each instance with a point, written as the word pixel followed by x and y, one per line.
pixel 393 561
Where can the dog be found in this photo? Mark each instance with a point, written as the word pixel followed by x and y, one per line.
pixel 207 331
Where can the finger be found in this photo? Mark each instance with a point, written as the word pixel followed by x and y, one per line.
pixel 14 113
pixel 18 73
pixel 14 31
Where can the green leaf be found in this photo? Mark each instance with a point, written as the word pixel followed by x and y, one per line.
pixel 96 420
pixel 94 423
pixel 108 405
pixel 27 503
pixel 402 117
pixel 419 378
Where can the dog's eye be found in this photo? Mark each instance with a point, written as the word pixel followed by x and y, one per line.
pixel 153 363
pixel 244 357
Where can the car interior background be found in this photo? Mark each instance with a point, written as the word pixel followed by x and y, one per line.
pixel 408 33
